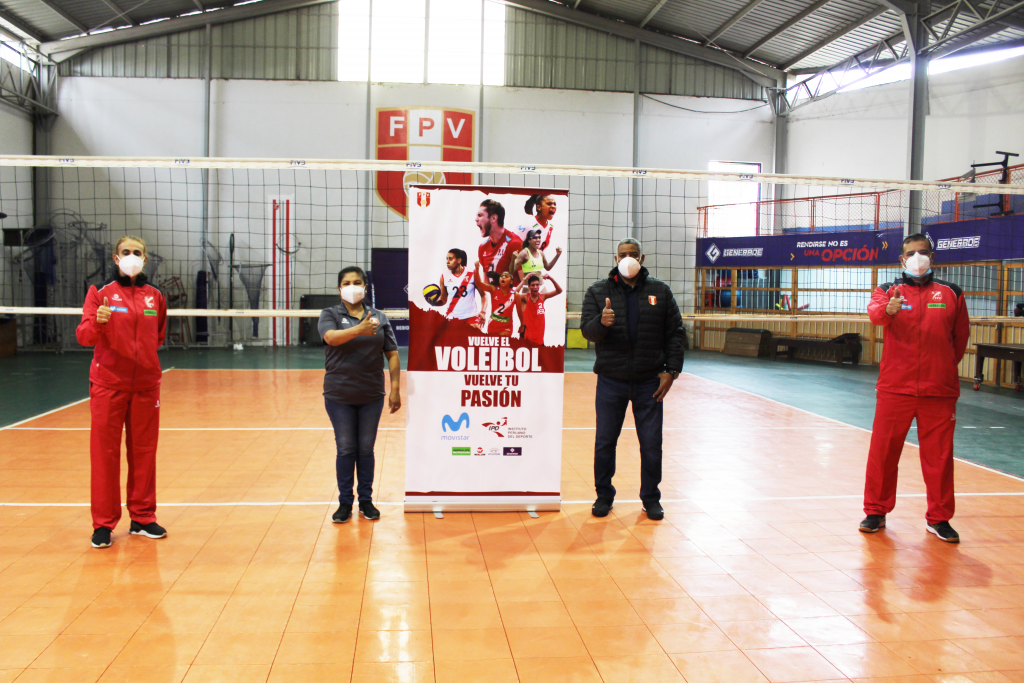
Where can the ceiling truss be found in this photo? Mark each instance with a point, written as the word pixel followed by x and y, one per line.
pixel 30 84
pixel 943 35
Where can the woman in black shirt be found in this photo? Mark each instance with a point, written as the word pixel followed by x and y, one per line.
pixel 358 338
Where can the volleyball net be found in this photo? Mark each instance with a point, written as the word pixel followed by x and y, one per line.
pixel 248 250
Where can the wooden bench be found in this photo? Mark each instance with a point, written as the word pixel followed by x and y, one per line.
pixel 1013 353
pixel 844 344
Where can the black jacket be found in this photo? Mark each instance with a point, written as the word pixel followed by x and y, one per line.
pixel 659 331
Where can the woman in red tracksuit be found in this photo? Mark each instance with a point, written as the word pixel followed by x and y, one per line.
pixel 926 328
pixel 125 320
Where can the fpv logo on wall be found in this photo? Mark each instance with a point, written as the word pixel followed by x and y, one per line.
pixel 421 134
pixel 448 424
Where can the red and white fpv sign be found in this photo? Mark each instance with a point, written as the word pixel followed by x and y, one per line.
pixel 417 134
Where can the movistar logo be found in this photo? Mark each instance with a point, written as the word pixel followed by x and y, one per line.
pixel 447 423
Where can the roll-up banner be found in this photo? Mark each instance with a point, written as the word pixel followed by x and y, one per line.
pixel 486 348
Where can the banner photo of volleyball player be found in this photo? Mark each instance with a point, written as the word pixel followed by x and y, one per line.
pixel 487 276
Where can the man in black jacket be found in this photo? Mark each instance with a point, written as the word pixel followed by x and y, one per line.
pixel 634 321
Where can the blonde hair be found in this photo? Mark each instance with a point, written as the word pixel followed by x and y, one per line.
pixel 132 238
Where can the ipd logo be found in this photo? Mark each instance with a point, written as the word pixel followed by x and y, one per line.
pixel 447 423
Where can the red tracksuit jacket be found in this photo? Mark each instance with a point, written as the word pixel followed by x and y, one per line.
pixel 125 357
pixel 925 341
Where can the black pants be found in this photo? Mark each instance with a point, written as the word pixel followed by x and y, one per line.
pixel 611 400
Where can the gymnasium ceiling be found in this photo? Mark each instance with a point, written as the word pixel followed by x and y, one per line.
pixel 798 36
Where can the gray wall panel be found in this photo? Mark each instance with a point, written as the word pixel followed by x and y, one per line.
pixel 297 45
pixel 543 52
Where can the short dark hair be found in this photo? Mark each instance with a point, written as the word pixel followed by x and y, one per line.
pixel 916 237
pixel 533 276
pixel 459 254
pixel 494 209
pixel 352 269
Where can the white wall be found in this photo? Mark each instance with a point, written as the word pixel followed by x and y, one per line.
pixel 128 117
pixel 15 131
pixel 973 112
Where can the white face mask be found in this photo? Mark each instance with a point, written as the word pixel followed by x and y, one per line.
pixel 130 265
pixel 353 294
pixel 918 265
pixel 629 267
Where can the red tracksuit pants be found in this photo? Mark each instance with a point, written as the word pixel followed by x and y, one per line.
pixel 138 413
pixel 936 420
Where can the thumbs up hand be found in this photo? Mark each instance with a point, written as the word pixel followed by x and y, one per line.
pixel 893 307
pixel 103 312
pixel 607 315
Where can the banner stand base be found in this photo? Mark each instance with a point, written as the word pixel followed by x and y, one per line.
pixel 483 505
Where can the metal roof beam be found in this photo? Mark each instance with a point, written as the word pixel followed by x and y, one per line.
pixel 830 80
pixel 835 36
pixel 997 18
pixel 176 25
pixel 762 74
pixel 650 15
pixel 121 14
pixel 966 48
pixel 19 25
pixel 785 27
pixel 900 6
pixel 733 20
pixel 56 9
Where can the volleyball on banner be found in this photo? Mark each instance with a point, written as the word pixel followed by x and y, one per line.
pixel 487 273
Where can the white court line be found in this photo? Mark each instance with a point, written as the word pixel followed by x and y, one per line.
pixel 856 496
pixel 48 412
pixel 743 391
pixel 832 419
pixel 68 405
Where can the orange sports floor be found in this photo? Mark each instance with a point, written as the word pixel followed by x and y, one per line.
pixel 757 573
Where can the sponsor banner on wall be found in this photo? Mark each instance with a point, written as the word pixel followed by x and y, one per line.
pixel 867 248
pixel 486 352
pixel 417 134
pixel 980 239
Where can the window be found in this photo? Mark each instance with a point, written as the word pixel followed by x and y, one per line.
pixel 732 206
pixel 398 41
pixel 10 52
pixel 399 31
pixel 353 39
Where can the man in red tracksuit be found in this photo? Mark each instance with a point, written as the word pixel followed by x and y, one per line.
pixel 126 321
pixel 926 329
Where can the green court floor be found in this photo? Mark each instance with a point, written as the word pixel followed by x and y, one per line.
pixel 990 423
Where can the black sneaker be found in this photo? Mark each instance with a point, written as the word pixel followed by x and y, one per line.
pixel 654 511
pixel 101 537
pixel 151 530
pixel 342 514
pixel 944 531
pixel 369 512
pixel 601 507
pixel 872 523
